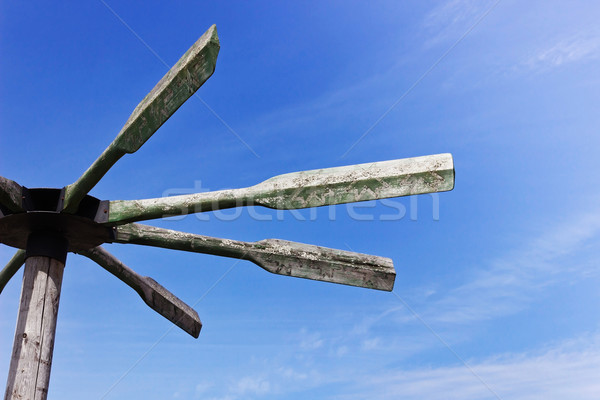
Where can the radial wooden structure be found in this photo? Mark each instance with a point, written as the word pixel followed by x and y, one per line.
pixel 45 224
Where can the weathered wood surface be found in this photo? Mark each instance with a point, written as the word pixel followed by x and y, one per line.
pixel 31 360
pixel 178 85
pixel 14 264
pixel 11 195
pixel 276 256
pixel 154 295
pixel 305 189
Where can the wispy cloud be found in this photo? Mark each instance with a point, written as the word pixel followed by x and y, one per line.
pixel 565 51
pixel 450 19
pixel 371 344
pixel 509 284
pixel 331 361
pixel 247 387
pixel 499 287
pixel 354 101
pixel 202 388
pixel 276 381
pixel 251 386
pixel 310 340
pixel 562 370
pixel 568 370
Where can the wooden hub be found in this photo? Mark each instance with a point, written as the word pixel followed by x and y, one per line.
pixel 43 216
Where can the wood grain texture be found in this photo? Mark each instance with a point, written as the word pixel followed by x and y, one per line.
pixel 11 194
pixel 14 264
pixel 154 295
pixel 31 360
pixel 179 84
pixel 330 186
pixel 277 256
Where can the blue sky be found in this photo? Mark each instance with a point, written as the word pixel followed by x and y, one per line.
pixel 496 293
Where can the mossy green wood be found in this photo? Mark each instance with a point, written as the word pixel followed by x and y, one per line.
pixel 178 85
pixel 277 256
pixel 11 195
pixel 154 295
pixel 14 264
pixel 362 182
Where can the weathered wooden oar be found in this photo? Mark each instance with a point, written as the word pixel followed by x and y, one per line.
pixel 157 297
pixel 11 194
pixel 11 268
pixel 276 256
pixel 178 85
pixel 305 189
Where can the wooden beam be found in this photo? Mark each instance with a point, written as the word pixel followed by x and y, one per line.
pixel 11 194
pixel 276 256
pixel 14 264
pixel 178 85
pixel 305 189
pixel 31 361
pixel 154 295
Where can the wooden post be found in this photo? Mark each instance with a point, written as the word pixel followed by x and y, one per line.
pixel 31 360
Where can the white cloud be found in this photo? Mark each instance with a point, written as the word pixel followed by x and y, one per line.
pixel 565 51
pixel 366 360
pixel 498 287
pixel 563 370
pixel 202 388
pixel 451 19
pixel 292 374
pixel 341 351
pixel 566 371
pixel 310 341
pixel 247 387
pixel 364 326
pixel 251 386
pixel 371 344
pixel 509 284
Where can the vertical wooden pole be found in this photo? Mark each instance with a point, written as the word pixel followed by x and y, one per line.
pixel 31 360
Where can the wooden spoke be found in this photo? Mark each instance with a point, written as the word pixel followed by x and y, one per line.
pixel 178 85
pixel 11 195
pixel 276 256
pixel 305 189
pixel 11 268
pixel 157 297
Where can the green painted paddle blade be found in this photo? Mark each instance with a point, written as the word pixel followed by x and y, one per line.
pixel 11 194
pixel 178 85
pixel 323 264
pixel 305 189
pixel 277 256
pixel 154 295
pixel 11 268
pixel 354 183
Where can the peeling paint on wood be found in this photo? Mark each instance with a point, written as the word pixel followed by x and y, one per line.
pixel 362 182
pixel 154 295
pixel 277 256
pixel 178 85
pixel 349 184
pixel 11 268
